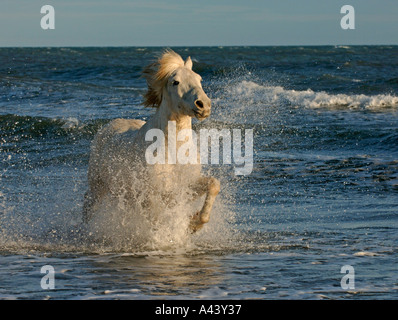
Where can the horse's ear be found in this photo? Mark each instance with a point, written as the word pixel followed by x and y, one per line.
pixel 188 63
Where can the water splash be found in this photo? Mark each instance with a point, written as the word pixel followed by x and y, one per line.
pixel 51 218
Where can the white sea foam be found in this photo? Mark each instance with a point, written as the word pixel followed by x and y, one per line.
pixel 365 254
pixel 70 123
pixel 277 95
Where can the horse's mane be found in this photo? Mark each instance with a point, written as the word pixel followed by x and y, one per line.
pixel 156 75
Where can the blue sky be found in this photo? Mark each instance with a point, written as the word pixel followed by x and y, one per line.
pixel 197 23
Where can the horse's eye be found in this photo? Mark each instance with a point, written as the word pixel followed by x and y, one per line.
pixel 175 83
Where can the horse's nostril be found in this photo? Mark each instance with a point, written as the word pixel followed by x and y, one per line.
pixel 199 104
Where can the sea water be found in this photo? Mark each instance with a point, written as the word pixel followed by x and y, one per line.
pixel 323 192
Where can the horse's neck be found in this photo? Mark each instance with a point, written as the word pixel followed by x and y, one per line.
pixel 164 114
pixel 161 120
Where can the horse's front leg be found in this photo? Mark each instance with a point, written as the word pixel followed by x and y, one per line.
pixel 210 186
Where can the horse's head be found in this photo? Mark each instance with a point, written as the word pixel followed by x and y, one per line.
pixel 172 78
pixel 185 91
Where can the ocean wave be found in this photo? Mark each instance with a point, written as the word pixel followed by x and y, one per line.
pixel 15 127
pixel 277 95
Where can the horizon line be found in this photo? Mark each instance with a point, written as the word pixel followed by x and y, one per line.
pixel 199 46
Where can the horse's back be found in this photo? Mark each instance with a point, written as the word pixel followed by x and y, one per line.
pixel 115 128
pixel 123 125
pixel 109 140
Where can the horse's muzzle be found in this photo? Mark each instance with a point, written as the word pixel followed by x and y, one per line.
pixel 203 109
pixel 202 114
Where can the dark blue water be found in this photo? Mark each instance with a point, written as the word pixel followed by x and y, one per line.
pixel 323 192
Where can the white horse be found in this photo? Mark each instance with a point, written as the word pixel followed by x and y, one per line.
pixel 117 157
